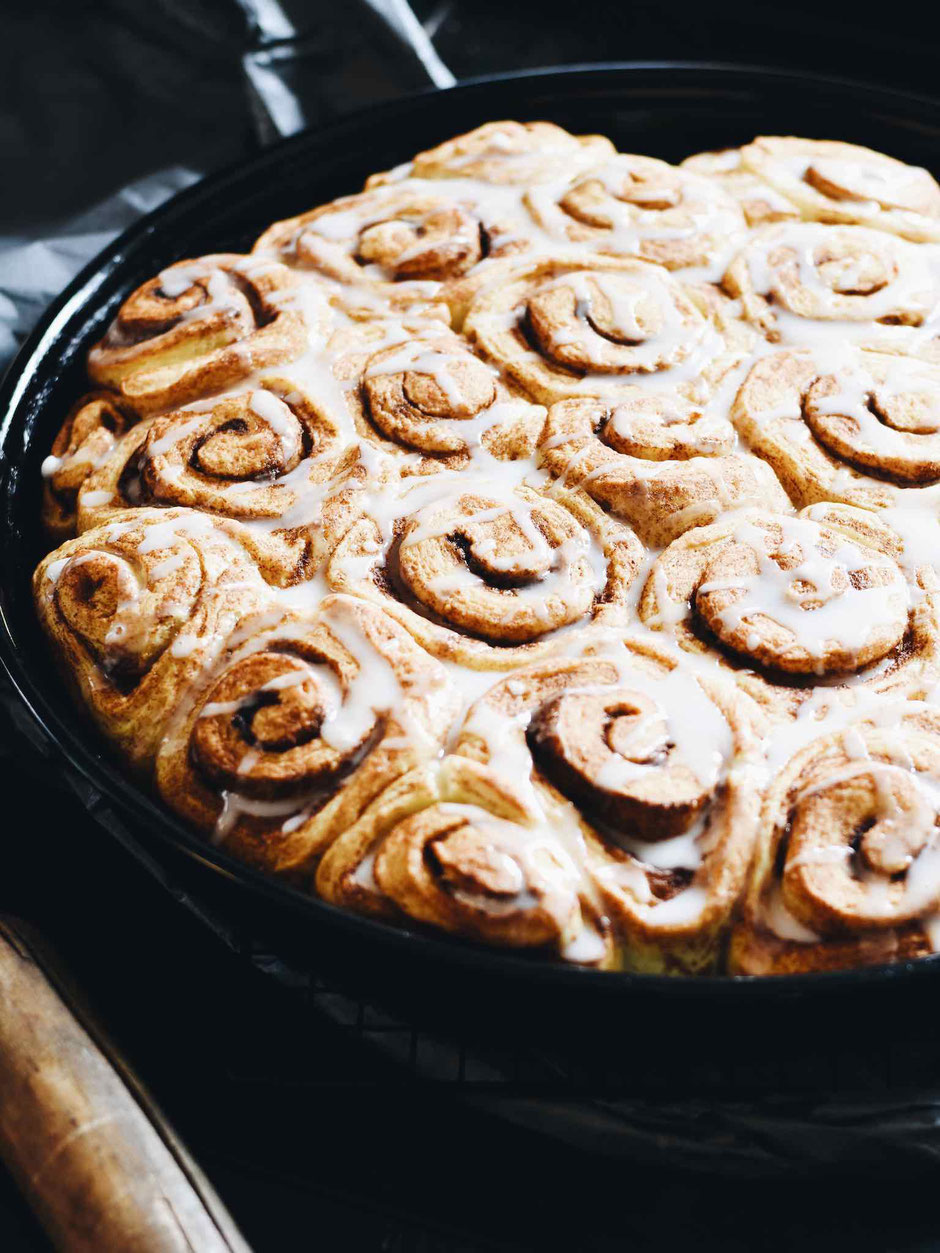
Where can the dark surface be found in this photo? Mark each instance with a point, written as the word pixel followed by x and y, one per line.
pixel 312 1142
pixel 95 93
pixel 310 1139
pixel 840 37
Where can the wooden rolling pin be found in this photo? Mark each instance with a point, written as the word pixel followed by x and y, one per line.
pixel 101 1168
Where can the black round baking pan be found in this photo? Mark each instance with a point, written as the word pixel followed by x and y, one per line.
pixel 664 110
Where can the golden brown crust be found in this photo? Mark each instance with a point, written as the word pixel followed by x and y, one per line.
pixel 614 729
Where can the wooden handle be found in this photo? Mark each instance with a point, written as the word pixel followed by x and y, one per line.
pixel 96 1160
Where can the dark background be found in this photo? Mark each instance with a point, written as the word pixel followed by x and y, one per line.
pixel 311 1138
pixel 94 94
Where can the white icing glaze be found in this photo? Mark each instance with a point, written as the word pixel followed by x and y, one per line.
pixel 816 600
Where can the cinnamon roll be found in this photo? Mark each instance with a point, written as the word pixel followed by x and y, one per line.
pixel 295 732
pixel 137 609
pixel 198 327
pixel 565 328
pixel 404 236
pixel 271 460
pixel 449 848
pixel 483 573
pixel 847 871
pixel 845 183
pixel 86 438
pixel 505 152
pixel 803 282
pixel 638 207
pixel 845 425
pixel 658 461
pixel 434 399
pixel 787 600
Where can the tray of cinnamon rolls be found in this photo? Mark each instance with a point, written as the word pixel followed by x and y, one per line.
pixel 534 547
